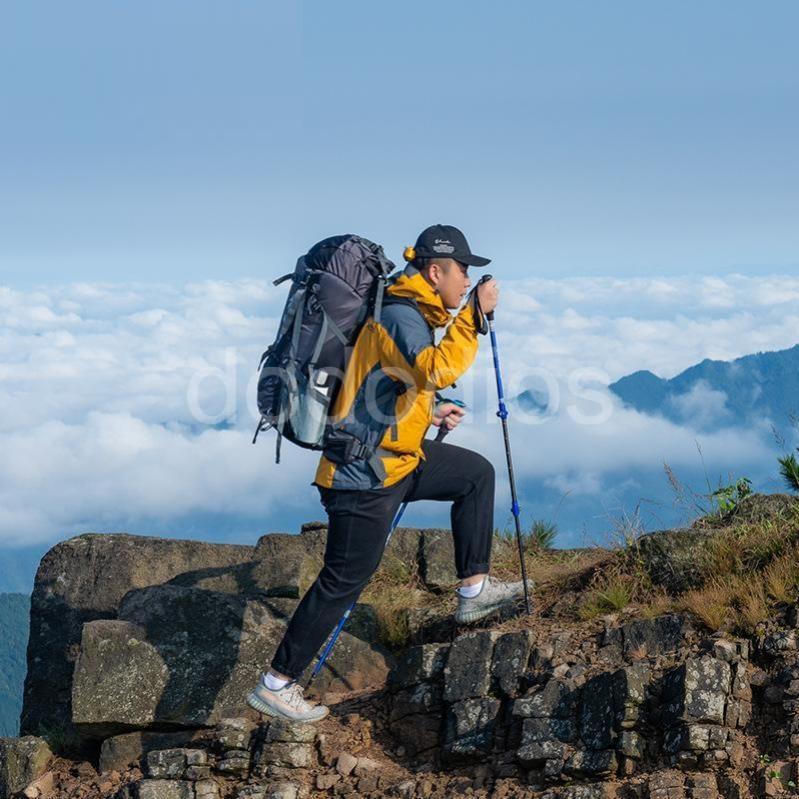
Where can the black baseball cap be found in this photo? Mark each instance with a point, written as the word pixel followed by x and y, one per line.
pixel 447 241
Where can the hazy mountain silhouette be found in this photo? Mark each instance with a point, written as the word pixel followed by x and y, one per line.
pixel 14 620
pixel 716 394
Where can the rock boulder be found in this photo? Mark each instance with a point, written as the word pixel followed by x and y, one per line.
pixel 22 760
pixel 83 579
pixel 188 657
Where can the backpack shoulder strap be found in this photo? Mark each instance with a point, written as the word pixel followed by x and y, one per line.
pixel 391 300
pixel 409 302
pixel 379 302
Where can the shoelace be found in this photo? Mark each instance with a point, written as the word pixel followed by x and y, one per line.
pixel 294 695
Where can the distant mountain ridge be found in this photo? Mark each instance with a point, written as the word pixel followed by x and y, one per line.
pixel 14 621
pixel 716 394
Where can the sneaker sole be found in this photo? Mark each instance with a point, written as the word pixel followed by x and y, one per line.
pixel 475 615
pixel 255 702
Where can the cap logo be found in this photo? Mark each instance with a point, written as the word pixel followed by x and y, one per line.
pixel 443 246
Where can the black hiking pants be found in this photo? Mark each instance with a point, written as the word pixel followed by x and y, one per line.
pixel 359 523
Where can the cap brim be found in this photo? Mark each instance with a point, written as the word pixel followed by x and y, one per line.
pixel 474 260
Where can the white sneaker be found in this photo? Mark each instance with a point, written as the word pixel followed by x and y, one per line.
pixel 493 596
pixel 287 703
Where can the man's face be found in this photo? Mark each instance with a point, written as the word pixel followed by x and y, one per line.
pixel 451 279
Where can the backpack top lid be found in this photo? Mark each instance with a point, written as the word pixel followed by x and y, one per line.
pixel 355 260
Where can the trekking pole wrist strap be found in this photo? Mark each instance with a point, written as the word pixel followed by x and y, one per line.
pixel 480 323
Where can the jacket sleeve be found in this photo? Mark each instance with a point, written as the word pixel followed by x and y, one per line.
pixel 432 366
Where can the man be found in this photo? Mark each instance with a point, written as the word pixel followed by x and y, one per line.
pixel 387 401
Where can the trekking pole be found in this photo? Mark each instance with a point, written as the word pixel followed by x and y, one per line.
pixel 503 415
pixel 440 436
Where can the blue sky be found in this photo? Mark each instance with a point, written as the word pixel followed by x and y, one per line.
pixel 187 140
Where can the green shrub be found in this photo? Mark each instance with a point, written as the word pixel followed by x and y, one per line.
pixel 542 534
pixel 727 498
pixel 789 469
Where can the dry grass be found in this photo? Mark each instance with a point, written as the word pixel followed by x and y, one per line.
pixel 623 580
pixel 750 546
pixel 753 607
pixel 549 569
pixel 611 594
pixel 391 610
pixel 749 568
pixel 740 600
pixel 393 591
pixel 659 604
pixel 603 580
pixel 781 577
pixel 734 604
pixel 555 573
pixel 710 604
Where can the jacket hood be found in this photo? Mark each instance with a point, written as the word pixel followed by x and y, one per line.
pixel 412 285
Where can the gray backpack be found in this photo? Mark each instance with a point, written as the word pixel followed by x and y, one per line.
pixel 335 287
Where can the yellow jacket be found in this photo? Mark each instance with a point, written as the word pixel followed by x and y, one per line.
pixel 384 406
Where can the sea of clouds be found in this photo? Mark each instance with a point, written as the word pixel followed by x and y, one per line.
pixel 131 406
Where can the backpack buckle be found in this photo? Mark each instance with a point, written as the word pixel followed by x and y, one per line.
pixel 362 451
pixel 313 303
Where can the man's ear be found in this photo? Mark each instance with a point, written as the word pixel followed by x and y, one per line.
pixel 442 267
pixel 433 275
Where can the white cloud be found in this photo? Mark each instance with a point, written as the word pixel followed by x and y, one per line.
pixel 562 446
pixel 98 383
pixel 115 469
pixel 660 324
pixel 701 406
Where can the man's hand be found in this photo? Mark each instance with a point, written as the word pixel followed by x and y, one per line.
pixel 449 414
pixel 488 295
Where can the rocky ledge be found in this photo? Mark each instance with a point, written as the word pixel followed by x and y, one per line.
pixel 143 649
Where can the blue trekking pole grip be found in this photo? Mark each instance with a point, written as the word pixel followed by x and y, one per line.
pixel 503 416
